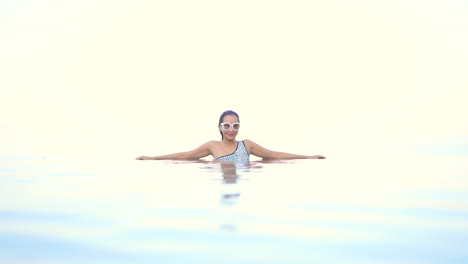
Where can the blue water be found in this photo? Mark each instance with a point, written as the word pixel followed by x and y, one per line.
pixel 345 209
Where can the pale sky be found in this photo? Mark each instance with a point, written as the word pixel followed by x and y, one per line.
pixel 132 78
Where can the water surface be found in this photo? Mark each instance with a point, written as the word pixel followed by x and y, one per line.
pixel 338 210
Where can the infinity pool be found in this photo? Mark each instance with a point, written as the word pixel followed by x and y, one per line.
pixel 339 210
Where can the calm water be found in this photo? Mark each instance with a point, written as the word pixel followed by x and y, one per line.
pixel 345 209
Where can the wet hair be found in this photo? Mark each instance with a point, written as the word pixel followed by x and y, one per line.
pixel 221 118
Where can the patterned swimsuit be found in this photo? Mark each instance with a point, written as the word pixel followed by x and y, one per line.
pixel 240 155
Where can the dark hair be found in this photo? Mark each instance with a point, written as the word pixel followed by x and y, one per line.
pixel 221 118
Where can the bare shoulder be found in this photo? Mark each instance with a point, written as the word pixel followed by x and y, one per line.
pixel 213 144
pixel 207 146
pixel 210 144
pixel 249 144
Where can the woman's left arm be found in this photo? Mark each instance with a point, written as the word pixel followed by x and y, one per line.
pixel 262 152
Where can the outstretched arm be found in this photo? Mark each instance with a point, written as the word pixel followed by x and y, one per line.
pixel 200 152
pixel 262 152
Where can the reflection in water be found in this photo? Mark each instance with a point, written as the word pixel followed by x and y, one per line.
pixel 230 195
pixel 230 176
pixel 348 211
pixel 229 172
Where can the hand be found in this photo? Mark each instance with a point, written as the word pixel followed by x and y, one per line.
pixel 317 157
pixel 143 158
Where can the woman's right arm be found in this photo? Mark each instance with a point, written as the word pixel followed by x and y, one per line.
pixel 200 152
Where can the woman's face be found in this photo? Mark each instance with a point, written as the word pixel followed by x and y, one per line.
pixel 229 134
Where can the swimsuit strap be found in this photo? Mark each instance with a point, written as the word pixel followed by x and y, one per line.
pixel 240 154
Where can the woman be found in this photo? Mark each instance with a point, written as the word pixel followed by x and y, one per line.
pixel 229 149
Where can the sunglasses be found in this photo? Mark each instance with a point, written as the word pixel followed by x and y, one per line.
pixel 227 126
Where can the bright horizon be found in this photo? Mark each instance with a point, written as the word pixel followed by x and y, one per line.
pixel 150 78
